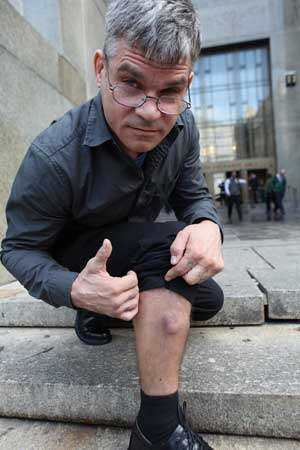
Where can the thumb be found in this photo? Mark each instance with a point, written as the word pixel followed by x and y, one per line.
pixel 178 247
pixel 102 255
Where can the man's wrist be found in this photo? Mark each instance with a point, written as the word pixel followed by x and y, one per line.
pixel 205 219
pixel 75 299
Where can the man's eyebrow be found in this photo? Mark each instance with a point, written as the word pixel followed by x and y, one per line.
pixel 127 69
pixel 182 81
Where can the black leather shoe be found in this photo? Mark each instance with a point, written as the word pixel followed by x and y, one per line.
pixel 181 439
pixel 90 329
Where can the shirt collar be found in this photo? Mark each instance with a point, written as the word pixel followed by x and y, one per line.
pixel 97 130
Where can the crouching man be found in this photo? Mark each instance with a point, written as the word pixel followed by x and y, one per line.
pixel 81 230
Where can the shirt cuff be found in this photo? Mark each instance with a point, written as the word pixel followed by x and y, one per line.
pixel 201 219
pixel 60 287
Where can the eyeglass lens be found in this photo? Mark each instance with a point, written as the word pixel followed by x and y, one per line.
pixel 132 97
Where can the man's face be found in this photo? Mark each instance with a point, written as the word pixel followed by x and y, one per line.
pixel 139 130
pixel 282 172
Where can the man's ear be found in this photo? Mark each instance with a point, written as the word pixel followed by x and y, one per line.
pixel 191 76
pixel 99 59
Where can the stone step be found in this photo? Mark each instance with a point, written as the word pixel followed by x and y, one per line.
pixel 16 434
pixel 236 380
pixel 282 288
pixel 244 305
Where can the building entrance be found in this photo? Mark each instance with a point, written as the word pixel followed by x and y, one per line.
pixel 232 104
pixel 253 192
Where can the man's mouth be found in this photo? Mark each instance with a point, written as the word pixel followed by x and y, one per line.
pixel 144 130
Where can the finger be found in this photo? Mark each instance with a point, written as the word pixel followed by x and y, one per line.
pixel 184 266
pixel 126 283
pixel 130 305
pixel 99 261
pixel 127 296
pixel 131 272
pixel 197 275
pixel 129 315
pixel 178 247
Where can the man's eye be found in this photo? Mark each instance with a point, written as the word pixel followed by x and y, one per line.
pixel 171 92
pixel 132 83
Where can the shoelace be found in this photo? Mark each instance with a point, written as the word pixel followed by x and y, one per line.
pixel 193 439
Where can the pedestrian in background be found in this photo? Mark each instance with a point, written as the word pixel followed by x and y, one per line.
pixel 279 188
pixel 269 195
pixel 222 196
pixel 253 187
pixel 233 194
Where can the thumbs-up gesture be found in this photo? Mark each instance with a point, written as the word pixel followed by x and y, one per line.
pixel 95 290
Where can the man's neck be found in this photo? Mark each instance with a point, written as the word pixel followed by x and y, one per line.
pixel 130 153
pixel 133 155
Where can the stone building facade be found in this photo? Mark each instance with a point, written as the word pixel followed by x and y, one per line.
pixel 46 68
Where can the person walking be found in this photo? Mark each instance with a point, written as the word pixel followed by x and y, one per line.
pixel 269 196
pixel 222 195
pixel 233 194
pixel 253 188
pixel 279 188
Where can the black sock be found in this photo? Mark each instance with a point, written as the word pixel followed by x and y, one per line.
pixel 158 416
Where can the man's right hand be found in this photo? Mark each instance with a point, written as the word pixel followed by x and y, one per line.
pixel 95 290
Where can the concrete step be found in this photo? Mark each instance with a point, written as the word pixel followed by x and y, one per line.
pixel 243 380
pixel 18 434
pixel 244 305
pixel 282 288
pixel 260 269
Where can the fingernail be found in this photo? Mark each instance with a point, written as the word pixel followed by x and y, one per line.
pixel 173 260
pixel 167 278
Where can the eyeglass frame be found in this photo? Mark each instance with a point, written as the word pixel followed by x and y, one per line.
pixel 147 97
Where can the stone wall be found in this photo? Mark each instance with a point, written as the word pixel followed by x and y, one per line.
pixel 40 78
pixel 237 21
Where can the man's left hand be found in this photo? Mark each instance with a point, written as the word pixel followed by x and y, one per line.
pixel 196 253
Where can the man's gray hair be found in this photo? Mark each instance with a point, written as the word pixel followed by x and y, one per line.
pixel 166 31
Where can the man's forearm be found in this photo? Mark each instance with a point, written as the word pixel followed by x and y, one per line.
pixel 41 275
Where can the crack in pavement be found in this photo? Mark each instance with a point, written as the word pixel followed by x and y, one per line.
pixel 263 258
pixel 39 353
pixel 6 432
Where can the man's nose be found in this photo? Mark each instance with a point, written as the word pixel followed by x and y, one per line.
pixel 149 110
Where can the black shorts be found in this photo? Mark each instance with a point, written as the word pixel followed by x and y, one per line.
pixel 144 248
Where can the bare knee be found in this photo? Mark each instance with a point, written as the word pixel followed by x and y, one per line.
pixel 170 323
pixel 164 311
pixel 174 322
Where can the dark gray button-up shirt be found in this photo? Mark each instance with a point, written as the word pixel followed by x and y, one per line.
pixel 74 177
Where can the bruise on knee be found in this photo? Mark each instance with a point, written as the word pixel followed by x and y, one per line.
pixel 174 322
pixel 170 323
pixel 166 310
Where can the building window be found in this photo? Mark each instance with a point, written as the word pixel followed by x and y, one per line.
pixel 232 103
pixel 44 16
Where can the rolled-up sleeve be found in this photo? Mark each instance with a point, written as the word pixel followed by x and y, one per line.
pixel 37 210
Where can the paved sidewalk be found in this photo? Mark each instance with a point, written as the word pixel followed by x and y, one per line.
pixel 255 219
pixel 264 255
pixel 277 245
